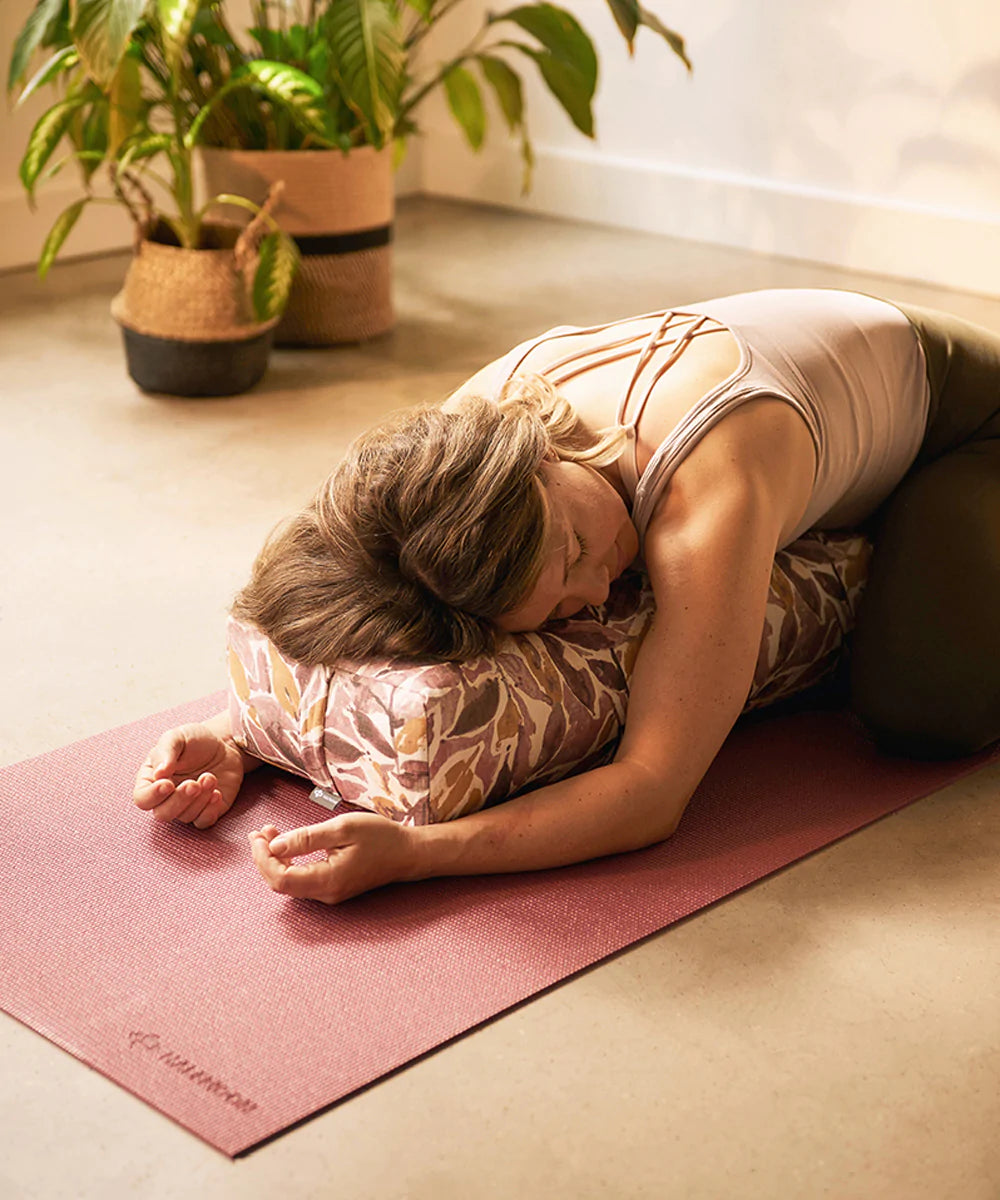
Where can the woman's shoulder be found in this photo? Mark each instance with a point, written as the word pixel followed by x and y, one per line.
pixel 488 380
pixel 483 383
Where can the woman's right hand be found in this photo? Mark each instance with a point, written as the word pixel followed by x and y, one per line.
pixel 192 774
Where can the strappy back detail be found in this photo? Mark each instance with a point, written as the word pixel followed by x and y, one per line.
pixel 674 330
pixel 849 364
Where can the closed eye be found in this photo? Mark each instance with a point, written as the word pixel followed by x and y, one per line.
pixel 582 543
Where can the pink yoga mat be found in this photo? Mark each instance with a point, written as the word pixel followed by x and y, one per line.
pixel 157 955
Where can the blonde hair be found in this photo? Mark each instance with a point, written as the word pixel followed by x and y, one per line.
pixel 433 526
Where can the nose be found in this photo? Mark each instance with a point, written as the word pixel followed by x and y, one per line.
pixel 596 586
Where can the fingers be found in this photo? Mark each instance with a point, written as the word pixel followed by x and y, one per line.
pixel 188 800
pixel 305 881
pixel 149 792
pixel 153 784
pixel 325 836
pixel 216 807
pixel 165 755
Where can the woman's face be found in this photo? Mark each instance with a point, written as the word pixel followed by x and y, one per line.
pixel 591 540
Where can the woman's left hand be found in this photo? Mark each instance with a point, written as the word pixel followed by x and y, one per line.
pixel 364 851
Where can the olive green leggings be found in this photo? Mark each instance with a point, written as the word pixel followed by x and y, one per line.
pixel 925 668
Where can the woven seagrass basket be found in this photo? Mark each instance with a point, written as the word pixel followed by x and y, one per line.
pixel 186 317
pixel 339 209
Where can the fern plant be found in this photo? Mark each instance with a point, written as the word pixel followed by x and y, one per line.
pixel 130 103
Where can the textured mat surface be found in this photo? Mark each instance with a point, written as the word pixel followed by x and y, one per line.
pixel 158 956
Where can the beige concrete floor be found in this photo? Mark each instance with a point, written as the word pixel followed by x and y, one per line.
pixel 833 1031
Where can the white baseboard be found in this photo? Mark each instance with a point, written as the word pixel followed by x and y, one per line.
pixel 878 235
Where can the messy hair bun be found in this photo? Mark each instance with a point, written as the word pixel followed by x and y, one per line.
pixel 432 527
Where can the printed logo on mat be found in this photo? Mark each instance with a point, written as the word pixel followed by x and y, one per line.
pixel 192 1072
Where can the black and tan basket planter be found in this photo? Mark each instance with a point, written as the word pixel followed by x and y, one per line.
pixel 187 321
pixel 339 209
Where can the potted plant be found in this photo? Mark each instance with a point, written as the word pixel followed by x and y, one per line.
pixel 201 297
pixel 358 61
pixel 363 54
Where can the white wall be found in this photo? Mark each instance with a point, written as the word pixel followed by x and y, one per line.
pixel 864 133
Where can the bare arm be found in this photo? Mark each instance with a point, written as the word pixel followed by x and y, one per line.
pixel 710 561
pixel 709 555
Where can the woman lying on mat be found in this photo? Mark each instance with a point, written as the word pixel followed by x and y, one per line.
pixel 702 439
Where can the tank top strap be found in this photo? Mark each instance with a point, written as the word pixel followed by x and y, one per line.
pixel 511 363
pixel 628 463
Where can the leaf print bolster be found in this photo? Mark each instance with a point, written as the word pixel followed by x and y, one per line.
pixel 428 742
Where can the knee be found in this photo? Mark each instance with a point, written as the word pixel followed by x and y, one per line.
pixel 932 733
pixel 918 743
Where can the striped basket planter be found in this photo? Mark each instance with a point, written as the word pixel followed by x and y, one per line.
pixel 186 316
pixel 339 208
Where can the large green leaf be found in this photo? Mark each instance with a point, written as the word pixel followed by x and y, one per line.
pixel 509 91
pixel 93 139
pixel 298 43
pixel 147 147
pixel 58 234
pixel 368 61
pixel 561 35
pixel 626 15
pixel 63 60
pixel 125 102
pixel 507 88
pixel 272 281
pixel 33 34
pixel 176 18
pixel 46 135
pixel 565 83
pixel 295 91
pixel 91 159
pixel 466 103
pixel 101 30
pixel 673 40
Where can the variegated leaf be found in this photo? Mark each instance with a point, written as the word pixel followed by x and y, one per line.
pixel 32 35
pixel 296 91
pixel 63 60
pixel 125 102
pixel 368 61
pixel 176 19
pixel 46 135
pixel 58 234
pixel 101 30
pixel 147 148
pixel 279 260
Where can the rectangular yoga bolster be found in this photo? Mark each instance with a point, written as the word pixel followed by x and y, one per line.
pixel 426 743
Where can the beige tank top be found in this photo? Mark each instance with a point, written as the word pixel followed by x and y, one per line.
pixel 850 364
